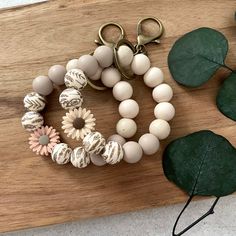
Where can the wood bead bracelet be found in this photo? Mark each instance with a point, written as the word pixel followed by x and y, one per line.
pixel 79 123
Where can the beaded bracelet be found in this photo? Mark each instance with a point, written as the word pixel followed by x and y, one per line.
pixel 79 123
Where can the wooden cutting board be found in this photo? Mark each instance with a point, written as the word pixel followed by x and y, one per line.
pixel 34 191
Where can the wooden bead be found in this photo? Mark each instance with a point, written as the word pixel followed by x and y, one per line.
pixel 126 127
pixel 129 108
pixel 97 75
pixel 110 76
pixel 61 153
pixel 97 160
pixel 132 152
pixel 122 90
pixel 149 143
pixel 72 64
pixel 164 111
pixel 140 64
pixel 32 120
pixel 34 102
pixel 56 74
pixel 125 55
pixel 160 128
pixel 104 56
pixel 79 157
pixel 117 138
pixel 153 77
pixel 71 98
pixel 112 153
pixel 88 64
pixel 76 79
pixel 162 93
pixel 94 142
pixel 42 85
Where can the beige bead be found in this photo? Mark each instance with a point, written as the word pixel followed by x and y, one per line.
pixel 129 108
pixel 160 128
pixel 125 55
pixel 122 90
pixel 153 77
pixel 97 75
pixel 56 74
pixel 162 93
pixel 140 64
pixel 164 111
pixel 132 152
pixel 112 153
pixel 126 127
pixel 110 76
pixel 97 160
pixel 61 153
pixel 104 56
pixel 149 143
pixel 42 85
pixel 88 64
pixel 117 138
pixel 72 64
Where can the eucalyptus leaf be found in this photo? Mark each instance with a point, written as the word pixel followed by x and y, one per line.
pixel 202 163
pixel 197 55
pixel 226 98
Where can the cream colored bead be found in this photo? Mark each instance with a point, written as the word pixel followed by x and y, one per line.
pixel 122 90
pixel 97 160
pixel 140 64
pixel 117 138
pixel 132 152
pixel 112 153
pixel 97 75
pixel 110 76
pixel 126 127
pixel 79 158
pixel 61 153
pixel 162 93
pixel 129 108
pixel 164 111
pixel 149 143
pixel 160 128
pixel 72 64
pixel 104 56
pixel 76 79
pixel 125 55
pixel 153 77
pixel 88 64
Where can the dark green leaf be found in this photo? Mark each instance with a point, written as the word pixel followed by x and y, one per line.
pixel 197 55
pixel 226 98
pixel 202 163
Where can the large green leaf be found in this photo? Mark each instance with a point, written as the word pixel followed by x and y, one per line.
pixel 202 163
pixel 226 98
pixel 196 56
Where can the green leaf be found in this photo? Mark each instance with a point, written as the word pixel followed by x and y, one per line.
pixel 202 163
pixel 226 98
pixel 197 55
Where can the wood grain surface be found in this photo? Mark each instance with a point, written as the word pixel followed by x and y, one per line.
pixel 34 191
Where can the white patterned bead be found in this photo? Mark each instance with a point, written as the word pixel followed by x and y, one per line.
pixel 113 153
pixel 34 102
pixel 94 142
pixel 70 98
pixel 79 157
pixel 75 78
pixel 32 120
pixel 61 153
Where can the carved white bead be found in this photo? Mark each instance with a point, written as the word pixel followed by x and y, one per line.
pixel 132 152
pixel 113 153
pixel 164 111
pixel 126 127
pixel 110 76
pixel 70 98
pixel 104 56
pixel 88 64
pixel 149 143
pixel 34 102
pixel 160 128
pixel 72 64
pixel 75 78
pixel 162 93
pixel 125 55
pixel 117 138
pixel 79 157
pixel 32 120
pixel 153 77
pixel 97 75
pixel 61 153
pixel 94 142
pixel 140 64
pixel 128 108
pixel 97 160
pixel 122 90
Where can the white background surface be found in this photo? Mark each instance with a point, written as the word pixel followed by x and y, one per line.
pixel 152 222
